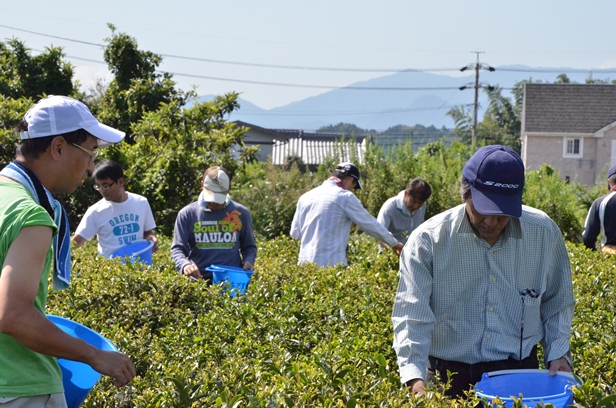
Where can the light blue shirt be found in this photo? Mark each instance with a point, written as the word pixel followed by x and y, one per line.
pixel 398 219
pixel 460 299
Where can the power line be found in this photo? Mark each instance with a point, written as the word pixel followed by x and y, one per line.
pixel 329 113
pixel 333 69
pixel 561 71
pixel 251 64
pixel 74 57
pixel 246 81
pixel 52 36
pixel 351 88
pixel 477 66
pixel 385 137
pixel 442 106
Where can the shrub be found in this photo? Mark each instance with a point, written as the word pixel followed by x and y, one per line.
pixel 271 195
pixel 560 200
pixel 302 336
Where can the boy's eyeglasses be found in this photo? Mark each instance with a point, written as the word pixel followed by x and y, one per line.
pixel 90 152
pixel 104 187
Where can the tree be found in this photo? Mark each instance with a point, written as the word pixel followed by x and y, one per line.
pixel 167 147
pixel 344 128
pixel 137 88
pixel 11 113
pixel 501 121
pixel 562 79
pixel 24 75
pixel 500 125
pixel 172 148
pixel 594 81
pixel 463 119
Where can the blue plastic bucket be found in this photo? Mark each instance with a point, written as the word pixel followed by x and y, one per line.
pixel 140 250
pixel 536 387
pixel 79 378
pixel 237 278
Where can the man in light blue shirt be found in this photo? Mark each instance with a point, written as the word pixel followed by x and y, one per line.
pixel 483 283
pixel 404 212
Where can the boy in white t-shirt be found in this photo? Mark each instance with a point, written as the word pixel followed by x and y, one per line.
pixel 120 218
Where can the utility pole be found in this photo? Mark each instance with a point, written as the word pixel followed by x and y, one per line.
pixel 477 66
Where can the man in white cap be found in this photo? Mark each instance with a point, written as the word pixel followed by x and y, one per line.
pixel 601 218
pixel 59 138
pixel 483 283
pixel 213 230
pixel 324 215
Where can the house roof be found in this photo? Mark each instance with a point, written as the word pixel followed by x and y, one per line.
pixel 321 137
pixel 285 134
pixel 568 108
pixel 269 132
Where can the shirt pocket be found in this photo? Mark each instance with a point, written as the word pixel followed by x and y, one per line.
pixel 531 316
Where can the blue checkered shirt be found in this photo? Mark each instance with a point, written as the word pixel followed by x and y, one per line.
pixel 463 300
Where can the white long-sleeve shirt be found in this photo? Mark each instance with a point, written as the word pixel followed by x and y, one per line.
pixel 461 299
pixel 323 220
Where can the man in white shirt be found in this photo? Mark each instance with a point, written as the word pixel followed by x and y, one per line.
pixel 119 218
pixel 404 212
pixel 323 218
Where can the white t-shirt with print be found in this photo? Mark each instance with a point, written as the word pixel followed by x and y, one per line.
pixel 116 224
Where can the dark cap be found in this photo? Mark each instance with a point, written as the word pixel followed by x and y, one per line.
pixel 611 171
pixel 349 169
pixel 496 176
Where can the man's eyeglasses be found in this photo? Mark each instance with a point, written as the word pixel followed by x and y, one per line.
pixel 90 152
pixel 104 187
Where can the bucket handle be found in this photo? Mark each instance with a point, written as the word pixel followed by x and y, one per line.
pixel 526 371
pixel 150 245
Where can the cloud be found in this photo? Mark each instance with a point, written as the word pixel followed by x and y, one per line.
pixel 608 64
pixel 88 75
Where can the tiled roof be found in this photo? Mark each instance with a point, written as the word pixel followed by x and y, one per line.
pixel 568 108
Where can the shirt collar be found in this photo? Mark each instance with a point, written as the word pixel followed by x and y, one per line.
pixel 336 181
pixel 513 230
pixel 401 205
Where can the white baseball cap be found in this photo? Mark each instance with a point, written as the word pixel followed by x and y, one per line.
pixel 56 115
pixel 215 186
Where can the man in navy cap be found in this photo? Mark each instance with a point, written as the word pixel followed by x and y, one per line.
pixel 483 283
pixel 601 218
pixel 323 218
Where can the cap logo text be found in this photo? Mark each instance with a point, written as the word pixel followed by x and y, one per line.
pixel 501 185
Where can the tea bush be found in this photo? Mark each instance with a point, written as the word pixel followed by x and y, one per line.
pixel 301 337
pixel 271 193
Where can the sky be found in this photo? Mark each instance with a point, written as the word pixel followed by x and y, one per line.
pixel 278 52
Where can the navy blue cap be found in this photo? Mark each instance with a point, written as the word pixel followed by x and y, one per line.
pixel 496 176
pixel 349 169
pixel 611 171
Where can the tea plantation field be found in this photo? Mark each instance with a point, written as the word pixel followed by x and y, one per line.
pixel 301 337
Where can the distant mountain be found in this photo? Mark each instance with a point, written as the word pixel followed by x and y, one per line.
pixel 381 109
